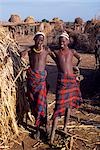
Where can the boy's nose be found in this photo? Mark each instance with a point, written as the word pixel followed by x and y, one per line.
pixel 40 41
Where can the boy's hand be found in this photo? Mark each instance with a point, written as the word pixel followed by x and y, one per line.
pixel 78 61
pixel 76 70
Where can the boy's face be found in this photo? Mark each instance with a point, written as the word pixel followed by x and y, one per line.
pixel 39 41
pixel 63 42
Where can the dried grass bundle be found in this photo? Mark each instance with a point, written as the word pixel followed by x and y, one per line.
pixel 10 77
pixel 15 18
pixel 29 19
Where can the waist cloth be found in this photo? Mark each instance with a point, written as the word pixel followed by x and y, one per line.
pixel 68 94
pixel 36 92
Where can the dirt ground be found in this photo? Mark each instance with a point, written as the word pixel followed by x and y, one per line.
pixel 84 125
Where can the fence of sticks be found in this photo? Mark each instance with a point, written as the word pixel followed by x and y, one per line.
pixel 11 89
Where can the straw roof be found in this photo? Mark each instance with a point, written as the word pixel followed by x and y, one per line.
pixel 78 20
pixel 29 19
pixel 14 18
pixel 10 74
pixel 56 19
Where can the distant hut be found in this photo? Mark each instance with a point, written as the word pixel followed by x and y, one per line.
pixel 56 19
pixel 14 18
pixel 29 19
pixel 92 28
pixel 28 28
pixel 79 24
pixel 78 20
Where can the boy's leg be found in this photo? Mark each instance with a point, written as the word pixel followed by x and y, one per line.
pixel 66 119
pixel 37 135
pixel 46 122
pixel 54 125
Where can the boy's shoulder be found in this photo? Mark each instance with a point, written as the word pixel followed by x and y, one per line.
pixel 73 50
pixel 53 48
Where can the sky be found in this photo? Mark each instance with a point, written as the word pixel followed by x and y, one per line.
pixel 67 10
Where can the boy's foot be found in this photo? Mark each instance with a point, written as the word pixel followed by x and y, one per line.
pixel 37 135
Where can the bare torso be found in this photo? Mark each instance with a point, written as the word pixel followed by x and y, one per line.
pixel 37 60
pixel 64 61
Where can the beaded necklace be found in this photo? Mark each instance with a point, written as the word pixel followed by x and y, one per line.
pixel 37 51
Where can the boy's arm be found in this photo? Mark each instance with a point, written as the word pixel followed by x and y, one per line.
pixel 52 54
pixel 24 51
pixel 78 57
pixel 24 55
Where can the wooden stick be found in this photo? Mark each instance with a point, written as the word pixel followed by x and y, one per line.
pixel 75 136
pixel 76 126
pixel 51 104
pixel 36 144
pixel 4 147
pixel 71 143
pixel 16 77
pixel 96 143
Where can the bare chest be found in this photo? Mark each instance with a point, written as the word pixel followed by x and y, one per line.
pixel 38 56
pixel 64 57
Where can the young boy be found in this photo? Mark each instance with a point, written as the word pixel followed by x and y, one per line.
pixel 36 81
pixel 67 93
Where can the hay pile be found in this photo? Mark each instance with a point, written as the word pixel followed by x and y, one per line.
pixel 56 19
pixel 10 77
pixel 79 21
pixel 15 18
pixel 92 29
pixel 29 19
pixel 47 28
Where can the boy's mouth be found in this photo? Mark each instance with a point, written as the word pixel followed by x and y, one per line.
pixel 39 46
pixel 62 46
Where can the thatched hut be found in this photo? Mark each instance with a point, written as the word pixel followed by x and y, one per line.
pixel 56 19
pixel 11 89
pixel 79 24
pixel 14 18
pixel 78 20
pixel 29 19
pixel 92 28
